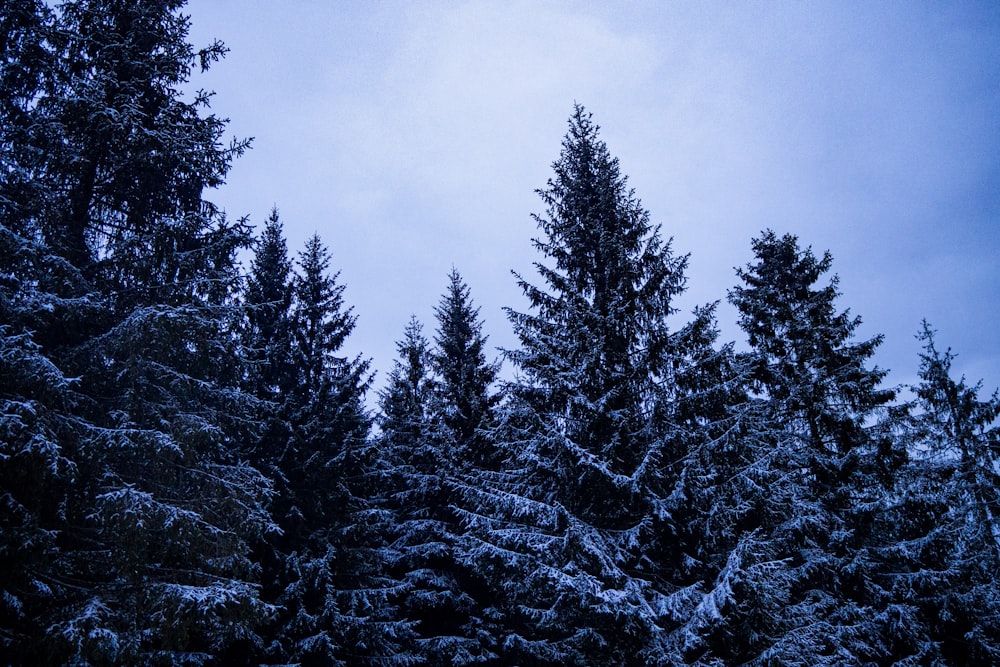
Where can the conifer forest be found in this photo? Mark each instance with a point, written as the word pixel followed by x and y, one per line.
pixel 193 471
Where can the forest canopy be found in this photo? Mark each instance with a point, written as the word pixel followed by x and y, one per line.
pixel 191 472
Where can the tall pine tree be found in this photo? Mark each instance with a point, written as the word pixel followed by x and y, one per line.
pixel 269 318
pixel 334 597
pixel 415 473
pixel 109 165
pixel 466 376
pixel 830 462
pixel 944 550
pixel 561 529
pixel 437 414
pixel 36 398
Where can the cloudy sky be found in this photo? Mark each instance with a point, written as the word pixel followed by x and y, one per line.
pixel 412 135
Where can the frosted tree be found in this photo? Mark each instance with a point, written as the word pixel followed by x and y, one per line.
pixel 437 410
pixel 325 409
pixel 334 596
pixel 829 465
pixel 406 401
pixel 36 398
pixel 466 376
pixel 945 521
pixel 268 304
pixel 416 472
pixel 38 459
pixel 563 527
pixel 109 160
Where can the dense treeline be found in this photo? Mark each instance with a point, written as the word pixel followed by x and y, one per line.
pixel 189 473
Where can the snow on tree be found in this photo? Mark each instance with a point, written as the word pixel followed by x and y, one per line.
pixel 326 404
pixel 560 530
pixel 415 472
pixel 36 398
pixel 334 596
pixel 268 303
pixel 465 375
pixel 406 403
pixel 187 472
pixel 830 461
pixel 108 166
pixel 36 461
pixel 436 412
pixel 944 523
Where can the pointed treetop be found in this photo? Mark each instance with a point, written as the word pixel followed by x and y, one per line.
pixel 271 265
pixel 466 376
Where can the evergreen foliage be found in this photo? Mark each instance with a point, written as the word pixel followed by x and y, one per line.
pixel 189 473
pixel 465 375
pixel 945 550
pixel 268 303
pixel 818 401
pixel 108 165
pixel 407 403
pixel 437 412
pixel 331 593
pixel 37 469
pixel 416 476
pixel 37 459
pixel 561 530
pixel 325 407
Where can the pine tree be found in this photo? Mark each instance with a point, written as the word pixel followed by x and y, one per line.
pixel 36 398
pixel 326 406
pixel 466 376
pixel 706 542
pixel 407 402
pixel 560 531
pixel 334 596
pixel 437 412
pixel 269 302
pixel 36 401
pixel 807 361
pixel 829 462
pixel 108 166
pixel 128 145
pixel 28 66
pixel 269 377
pixel 416 470
pixel 945 524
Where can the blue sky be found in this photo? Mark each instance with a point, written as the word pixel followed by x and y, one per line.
pixel 412 136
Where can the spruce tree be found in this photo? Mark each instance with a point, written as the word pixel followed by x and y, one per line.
pixel 415 474
pixel 407 402
pixel 465 404
pixel 36 448
pixel 806 360
pixel 465 375
pixel 269 378
pixel 108 167
pixel 561 529
pixel 706 541
pixel 436 415
pixel 36 398
pixel 334 596
pixel 326 406
pixel 268 303
pixel 830 462
pixel 944 526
